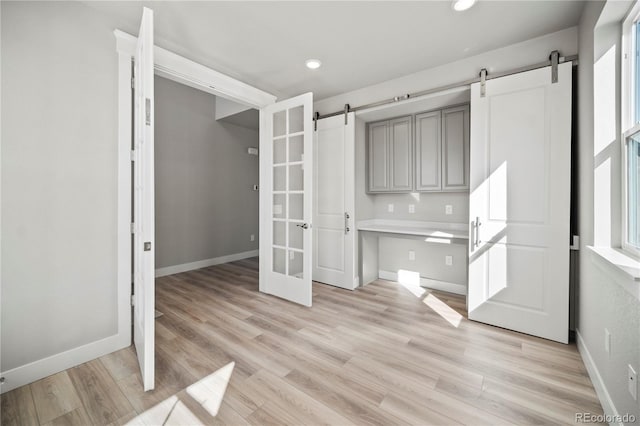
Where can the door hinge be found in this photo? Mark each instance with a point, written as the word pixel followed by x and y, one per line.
pixel 133 155
pixel 133 300
pixel 575 243
pixel 133 228
pixel 133 82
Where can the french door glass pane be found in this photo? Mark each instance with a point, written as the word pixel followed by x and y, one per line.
pixel 279 178
pixel 296 178
pixel 288 202
pixel 296 119
pixel 279 260
pixel 296 148
pixel 279 151
pixel 295 264
pixel 279 123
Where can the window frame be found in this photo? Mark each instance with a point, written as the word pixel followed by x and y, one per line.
pixel 630 93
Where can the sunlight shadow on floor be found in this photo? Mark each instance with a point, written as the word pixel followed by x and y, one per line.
pixel 411 281
pixel 208 393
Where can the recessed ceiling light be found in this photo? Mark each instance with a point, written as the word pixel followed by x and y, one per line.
pixel 460 5
pixel 313 64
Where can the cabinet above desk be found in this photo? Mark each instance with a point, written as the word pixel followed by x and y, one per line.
pixel 428 152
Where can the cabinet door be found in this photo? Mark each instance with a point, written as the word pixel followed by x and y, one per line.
pixel 401 154
pixel 455 149
pixel 379 157
pixel 428 150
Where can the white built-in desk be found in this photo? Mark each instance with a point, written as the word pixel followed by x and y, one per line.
pixel 429 232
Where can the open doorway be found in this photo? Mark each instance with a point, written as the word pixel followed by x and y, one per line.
pixel 206 179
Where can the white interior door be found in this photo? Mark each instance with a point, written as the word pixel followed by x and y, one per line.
pixel 286 168
pixel 334 201
pixel 143 204
pixel 519 204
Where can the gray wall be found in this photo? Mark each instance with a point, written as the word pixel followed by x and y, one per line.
pixel 603 301
pixel 430 258
pixel 205 204
pixel 59 142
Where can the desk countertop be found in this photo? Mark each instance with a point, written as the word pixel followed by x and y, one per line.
pixel 409 227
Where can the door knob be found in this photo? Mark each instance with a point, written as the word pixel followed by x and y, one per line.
pixel 303 225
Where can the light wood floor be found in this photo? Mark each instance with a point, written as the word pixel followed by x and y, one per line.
pixel 381 355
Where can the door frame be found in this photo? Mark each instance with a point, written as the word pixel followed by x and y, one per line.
pixel 182 70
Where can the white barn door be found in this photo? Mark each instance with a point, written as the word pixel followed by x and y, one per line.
pixel 519 203
pixel 286 152
pixel 143 204
pixel 334 201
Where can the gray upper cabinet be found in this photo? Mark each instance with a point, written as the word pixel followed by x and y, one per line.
pixel 436 160
pixel 400 155
pixel 455 149
pixel 390 156
pixel 428 148
pixel 379 157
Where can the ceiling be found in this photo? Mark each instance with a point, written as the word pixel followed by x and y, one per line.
pixel 359 43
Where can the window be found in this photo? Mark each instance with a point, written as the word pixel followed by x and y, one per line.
pixel 631 131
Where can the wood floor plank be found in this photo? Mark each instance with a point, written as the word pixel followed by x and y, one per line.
pixel 17 408
pixel 99 393
pixel 227 354
pixel 77 417
pixel 122 363
pixel 54 396
pixel 300 405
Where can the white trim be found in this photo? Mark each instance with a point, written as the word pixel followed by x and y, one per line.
pixel 184 267
pixel 601 390
pixel 193 74
pixel 124 198
pixel 41 368
pixel 628 125
pixel 628 64
pixel 428 282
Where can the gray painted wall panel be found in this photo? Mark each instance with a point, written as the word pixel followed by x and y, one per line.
pixel 59 164
pixel 205 204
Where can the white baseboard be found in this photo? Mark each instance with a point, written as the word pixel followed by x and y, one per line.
pixel 176 269
pixel 42 368
pixel 601 390
pixel 429 283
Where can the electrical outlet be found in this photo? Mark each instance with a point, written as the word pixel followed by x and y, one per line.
pixel 412 255
pixel 252 238
pixel 632 382
pixel 412 208
pixel 607 341
pixel 448 209
pixel 448 260
pixel 390 208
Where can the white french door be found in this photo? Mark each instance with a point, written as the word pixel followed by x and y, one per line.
pixel 143 204
pixel 286 168
pixel 519 203
pixel 334 201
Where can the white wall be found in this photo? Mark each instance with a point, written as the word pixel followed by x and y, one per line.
pixel 59 116
pixel 603 301
pixel 503 59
